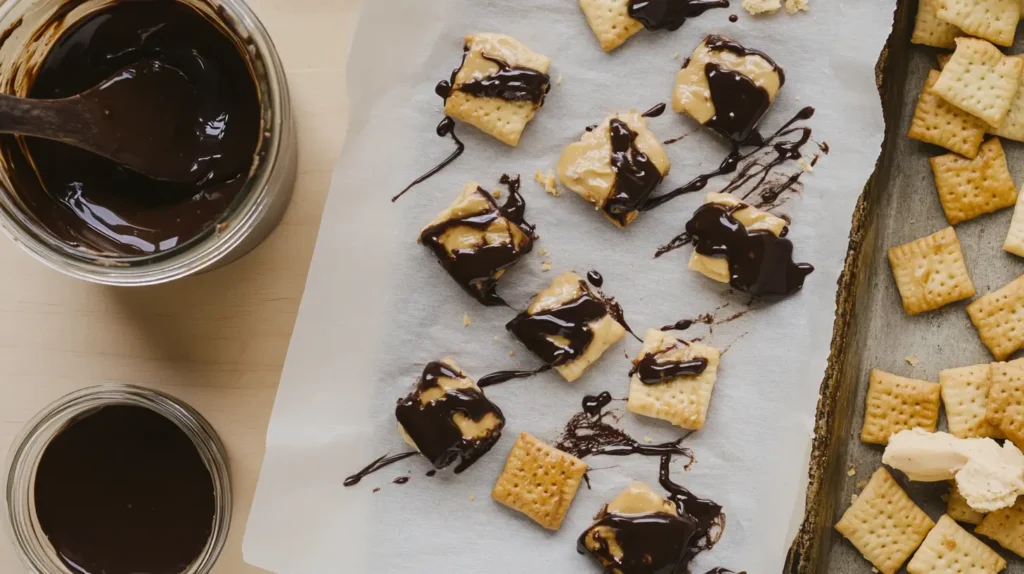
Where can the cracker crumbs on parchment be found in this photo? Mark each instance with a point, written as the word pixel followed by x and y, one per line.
pixel 548 181
pixel 794 6
pixel 546 266
pixel 466 321
pixel 912 360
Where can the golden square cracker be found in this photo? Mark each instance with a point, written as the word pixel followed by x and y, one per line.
pixel 1013 124
pixel 884 524
pixel 939 122
pixel 929 30
pixel 930 272
pixel 682 401
pixel 958 509
pixel 1012 425
pixel 999 319
pixel 501 119
pixel 965 396
pixel 897 403
pixel 1015 235
pixel 981 80
pixel 1006 527
pixel 610 21
pixel 607 332
pixel 993 20
pixel 1007 390
pixel 972 187
pixel 539 480
pixel 949 549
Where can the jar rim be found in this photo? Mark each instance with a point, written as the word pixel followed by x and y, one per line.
pixel 275 153
pixel 23 528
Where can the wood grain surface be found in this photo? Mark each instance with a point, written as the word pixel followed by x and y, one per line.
pixel 218 341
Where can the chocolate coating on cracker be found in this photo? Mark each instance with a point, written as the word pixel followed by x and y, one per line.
pixel 670 14
pixel 739 102
pixel 636 176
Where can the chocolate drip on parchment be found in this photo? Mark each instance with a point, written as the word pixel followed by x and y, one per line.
pixel 588 434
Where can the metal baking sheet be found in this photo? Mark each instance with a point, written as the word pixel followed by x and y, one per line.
pixel 899 204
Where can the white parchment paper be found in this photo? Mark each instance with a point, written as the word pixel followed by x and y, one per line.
pixel 378 306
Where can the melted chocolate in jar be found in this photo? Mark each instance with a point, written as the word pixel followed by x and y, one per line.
pixel 670 14
pixel 588 433
pixel 474 269
pixel 94 203
pixel 636 176
pixel 123 490
pixel 432 426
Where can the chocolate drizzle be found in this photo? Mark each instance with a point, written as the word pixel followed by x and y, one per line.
pixel 670 14
pixel 377 465
pixel 595 278
pixel 648 543
pixel 506 376
pixel 636 176
pixel 655 111
pixel 432 426
pixel 684 324
pixel 707 514
pixel 654 370
pixel 588 433
pixel 401 480
pixel 561 335
pixel 476 269
pixel 445 128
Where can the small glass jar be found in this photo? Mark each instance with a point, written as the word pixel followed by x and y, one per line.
pixel 254 214
pixel 23 526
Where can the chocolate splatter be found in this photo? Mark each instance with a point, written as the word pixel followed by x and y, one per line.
pixel 377 465
pixel 589 434
pixel 595 278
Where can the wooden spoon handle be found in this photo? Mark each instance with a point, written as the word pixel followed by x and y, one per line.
pixel 65 120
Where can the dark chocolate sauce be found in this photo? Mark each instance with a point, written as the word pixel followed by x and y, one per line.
pixel 721 570
pixel 670 14
pixel 92 203
pixel 476 269
pixel 636 176
pixel 653 370
pixel 122 490
pixel 376 489
pixel 400 480
pixel 588 433
pixel 707 514
pixel 595 278
pixel 655 111
pixel 445 128
pixel 739 102
pixel 506 376
pixel 377 465
pixel 432 426
pixel 647 543
pixel 432 472
pixel 734 18
pixel 684 324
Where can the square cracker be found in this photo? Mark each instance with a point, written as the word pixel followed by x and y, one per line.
pixel 1006 527
pixel 999 319
pixel 540 481
pixel 972 187
pixel 930 272
pixel 682 401
pixel 965 396
pixel 1013 124
pixel 1013 425
pixel 607 332
pixel 1007 390
pixel 981 80
pixel 930 30
pixel 958 509
pixel 884 524
pixel 949 549
pixel 501 119
pixel 993 20
pixel 610 21
pixel 1015 235
pixel 939 122
pixel 897 403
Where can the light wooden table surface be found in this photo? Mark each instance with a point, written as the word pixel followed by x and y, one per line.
pixel 217 341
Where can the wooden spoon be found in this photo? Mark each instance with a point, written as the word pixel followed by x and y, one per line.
pixel 143 117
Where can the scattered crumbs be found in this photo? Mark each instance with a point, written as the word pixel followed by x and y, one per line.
pixel 798 98
pixel 945 498
pixel 648 439
pixel 495 337
pixel 546 266
pixel 853 498
pixel 548 181
pixel 851 472
pixel 756 7
pixel 912 360
pixel 466 320
pixel 805 165
pixel 559 80
pixel 543 252
pixel 472 497
pixel 862 483
pixel 675 56
pixel 794 6
pixel 497 194
pixel 875 570
pixel 512 353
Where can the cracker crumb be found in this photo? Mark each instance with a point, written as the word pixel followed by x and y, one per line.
pixel 912 360
pixel 675 56
pixel 851 472
pixel 512 353
pixel 648 439
pixel 548 181
pixel 853 498
pixel 543 252
pixel 495 337
pixel 546 266
pixel 875 570
pixel 466 321
pixel 559 80
pixel 805 165
pixel 862 483
pixel 794 6
pixel 497 194
pixel 756 7
pixel 472 497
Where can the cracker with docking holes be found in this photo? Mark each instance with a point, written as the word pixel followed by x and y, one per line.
pixel 972 187
pixel 727 87
pixel 569 325
pixel 1015 235
pixel 673 380
pixel 610 21
pixel 476 240
pixel 1012 424
pixel 499 87
pixel 949 549
pixel 980 79
pixel 1007 390
pixel 1006 527
pixel 884 524
pixel 930 272
pixel 616 166
pixel 958 509
pixel 965 396
pixel 939 122
pixel 929 30
pixel 540 481
pixel 999 319
pixel 993 20
pixel 896 403
pixel 1013 124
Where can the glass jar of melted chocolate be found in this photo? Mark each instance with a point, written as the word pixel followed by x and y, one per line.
pixel 96 220
pixel 118 479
